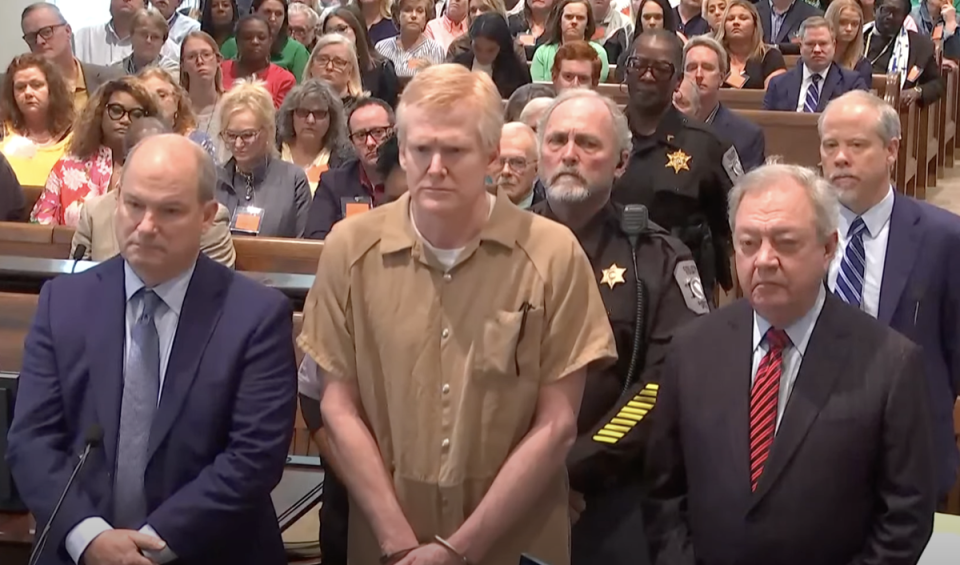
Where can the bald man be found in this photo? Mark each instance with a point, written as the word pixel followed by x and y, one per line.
pixel 186 367
pixel 95 238
pixel 519 154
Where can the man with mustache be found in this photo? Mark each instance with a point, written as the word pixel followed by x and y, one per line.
pixel 650 287
pixel 678 168
pixel 897 259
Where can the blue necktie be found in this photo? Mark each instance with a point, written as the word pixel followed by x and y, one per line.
pixel 849 285
pixel 813 95
pixel 141 389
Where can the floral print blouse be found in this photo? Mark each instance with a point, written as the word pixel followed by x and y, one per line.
pixel 70 183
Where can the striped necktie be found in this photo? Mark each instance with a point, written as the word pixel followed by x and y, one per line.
pixel 764 397
pixel 813 95
pixel 849 285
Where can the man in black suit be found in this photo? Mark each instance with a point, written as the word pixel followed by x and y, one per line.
pixel 816 80
pixel 781 21
pixel 891 48
pixel 705 63
pixel 909 266
pixel 791 428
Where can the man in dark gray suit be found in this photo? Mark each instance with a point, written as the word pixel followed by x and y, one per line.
pixel 49 35
pixel 791 428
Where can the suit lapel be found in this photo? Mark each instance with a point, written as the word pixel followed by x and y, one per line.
pixel 202 307
pixel 830 83
pixel 791 15
pixel 796 79
pixel 733 393
pixel 903 247
pixel 105 346
pixel 823 363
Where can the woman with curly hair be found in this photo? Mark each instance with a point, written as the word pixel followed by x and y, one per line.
pixel 175 107
pixel 312 129
pixel 37 112
pixel 94 157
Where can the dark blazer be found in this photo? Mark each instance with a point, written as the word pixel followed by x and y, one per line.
pixel 920 298
pixel 783 92
pixel 797 13
pixel 865 70
pixel 746 136
pixel 12 203
pixel 220 435
pixel 850 475
pixel 326 208
pixel 506 80
pixel 931 82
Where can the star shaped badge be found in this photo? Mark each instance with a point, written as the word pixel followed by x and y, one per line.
pixel 613 275
pixel 677 161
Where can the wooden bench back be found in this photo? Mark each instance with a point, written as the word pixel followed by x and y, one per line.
pixel 791 135
pixel 277 255
pixel 16 315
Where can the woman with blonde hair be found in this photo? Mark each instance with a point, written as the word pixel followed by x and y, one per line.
pixel 334 60
pixel 175 107
pixel 752 63
pixel 376 71
pixel 312 129
pixel 712 11
pixel 37 112
pixel 95 154
pixel 846 19
pixel 265 195
pixel 378 19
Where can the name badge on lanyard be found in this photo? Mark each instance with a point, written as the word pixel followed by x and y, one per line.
pixel 246 220
pixel 356 205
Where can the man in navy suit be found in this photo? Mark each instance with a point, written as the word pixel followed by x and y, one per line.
pixel 706 64
pixel 781 21
pixel 816 80
pixel 187 367
pixel 898 257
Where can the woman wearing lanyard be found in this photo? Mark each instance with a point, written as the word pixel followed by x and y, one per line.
pixel 266 196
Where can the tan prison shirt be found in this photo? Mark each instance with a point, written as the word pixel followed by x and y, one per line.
pixel 449 366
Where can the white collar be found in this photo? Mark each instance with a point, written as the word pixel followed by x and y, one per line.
pixel 874 219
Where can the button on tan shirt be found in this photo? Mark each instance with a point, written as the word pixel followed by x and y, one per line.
pixel 448 365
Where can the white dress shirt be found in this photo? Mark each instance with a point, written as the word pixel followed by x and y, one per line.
pixel 799 333
pixel 100 45
pixel 807 81
pixel 172 294
pixel 877 222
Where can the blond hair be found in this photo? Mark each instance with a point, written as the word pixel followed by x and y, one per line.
pixel 185 121
pixel 250 95
pixel 150 18
pixel 442 88
pixel 757 47
pixel 354 83
pixel 854 50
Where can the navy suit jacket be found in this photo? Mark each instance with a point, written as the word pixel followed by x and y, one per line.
pixel 220 436
pixel 920 298
pixel 795 16
pixel 746 137
pixel 783 92
pixel 326 209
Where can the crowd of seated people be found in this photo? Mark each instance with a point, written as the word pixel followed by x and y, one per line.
pixel 67 104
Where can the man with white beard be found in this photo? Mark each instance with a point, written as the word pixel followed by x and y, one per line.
pixel 647 280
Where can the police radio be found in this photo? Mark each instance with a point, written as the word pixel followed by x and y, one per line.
pixel 634 219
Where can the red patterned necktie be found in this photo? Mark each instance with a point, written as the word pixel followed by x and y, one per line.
pixel 763 403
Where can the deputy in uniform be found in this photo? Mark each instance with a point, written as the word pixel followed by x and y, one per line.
pixel 678 168
pixel 647 279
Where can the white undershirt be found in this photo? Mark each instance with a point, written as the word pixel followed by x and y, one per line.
pixel 448 257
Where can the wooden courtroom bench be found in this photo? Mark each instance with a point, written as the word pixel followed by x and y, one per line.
pixel 948 120
pixel 34 240
pixel 792 136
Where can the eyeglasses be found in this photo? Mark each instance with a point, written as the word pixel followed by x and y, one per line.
pixel 378 134
pixel 661 70
pixel 200 56
pixel 518 164
pixel 117 112
pixel 44 32
pixel 337 63
pixel 247 136
pixel 304 113
pixel 297 30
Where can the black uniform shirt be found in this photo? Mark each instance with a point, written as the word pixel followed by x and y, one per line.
pixel 682 174
pixel 673 298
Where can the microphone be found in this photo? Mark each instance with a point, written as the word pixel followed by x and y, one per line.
pixel 92 439
pixel 78 254
pixel 633 221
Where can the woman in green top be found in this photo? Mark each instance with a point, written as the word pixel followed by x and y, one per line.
pixel 286 52
pixel 570 20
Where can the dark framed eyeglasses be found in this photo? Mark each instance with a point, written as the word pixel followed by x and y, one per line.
pixel 246 136
pixel 336 63
pixel 378 134
pixel 44 32
pixel 116 112
pixel 661 70
pixel 304 113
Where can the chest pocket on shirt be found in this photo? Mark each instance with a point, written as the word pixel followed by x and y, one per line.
pixel 509 345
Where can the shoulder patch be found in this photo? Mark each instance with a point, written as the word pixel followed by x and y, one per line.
pixel 731 164
pixel 688 279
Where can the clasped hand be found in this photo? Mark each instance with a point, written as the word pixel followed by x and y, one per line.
pixel 121 547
